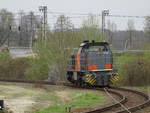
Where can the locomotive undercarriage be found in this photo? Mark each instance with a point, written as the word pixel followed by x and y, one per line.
pixel 89 78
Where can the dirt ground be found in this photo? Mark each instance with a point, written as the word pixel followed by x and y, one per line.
pixel 25 98
pixel 17 98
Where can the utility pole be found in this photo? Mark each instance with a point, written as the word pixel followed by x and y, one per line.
pixel 62 28
pixel 21 28
pixel 43 9
pixel 130 38
pixel 130 31
pixel 31 30
pixel 104 14
pixel 10 29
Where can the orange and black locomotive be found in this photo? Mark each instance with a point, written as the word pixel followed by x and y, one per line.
pixel 92 65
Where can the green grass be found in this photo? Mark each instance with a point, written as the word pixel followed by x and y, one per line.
pixel 79 100
pixel 87 99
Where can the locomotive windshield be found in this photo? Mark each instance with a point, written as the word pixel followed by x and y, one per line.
pixel 98 48
pixel 94 46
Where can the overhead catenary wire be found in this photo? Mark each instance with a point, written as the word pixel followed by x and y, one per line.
pixel 79 15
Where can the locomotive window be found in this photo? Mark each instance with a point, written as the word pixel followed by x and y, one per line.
pixel 98 48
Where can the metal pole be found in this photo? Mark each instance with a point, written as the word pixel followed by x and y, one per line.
pixel 45 23
pixel 104 13
pixel 20 29
pixel 31 30
pixel 43 9
pixel 102 23
pixel 10 27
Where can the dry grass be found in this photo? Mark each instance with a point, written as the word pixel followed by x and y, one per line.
pixel 137 72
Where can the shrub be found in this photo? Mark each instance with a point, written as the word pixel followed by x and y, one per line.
pixel 134 68
pixel 137 72
pixel 37 69
pixel 12 68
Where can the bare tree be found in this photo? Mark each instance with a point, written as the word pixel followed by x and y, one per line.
pixel 6 21
pixel 112 27
pixel 90 29
pixel 91 21
pixel 63 24
pixel 28 23
pixel 147 26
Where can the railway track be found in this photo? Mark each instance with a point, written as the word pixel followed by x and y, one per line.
pixel 133 101
pixel 128 100
pixel 142 100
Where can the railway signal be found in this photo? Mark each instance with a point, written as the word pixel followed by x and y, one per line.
pixel 104 14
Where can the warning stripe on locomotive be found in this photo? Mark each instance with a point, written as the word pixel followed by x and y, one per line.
pixel 90 79
pixel 115 78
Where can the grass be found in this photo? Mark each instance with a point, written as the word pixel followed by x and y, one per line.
pixel 79 100
pixel 86 99
pixel 48 99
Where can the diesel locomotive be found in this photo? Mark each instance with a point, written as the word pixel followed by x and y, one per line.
pixel 92 65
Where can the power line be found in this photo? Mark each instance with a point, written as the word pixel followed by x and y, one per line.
pixel 78 15
pixel 127 16
pixel 87 14
pixel 65 13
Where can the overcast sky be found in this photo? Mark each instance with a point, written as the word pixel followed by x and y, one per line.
pixel 123 7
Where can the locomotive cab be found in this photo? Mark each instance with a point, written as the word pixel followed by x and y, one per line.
pixel 91 65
